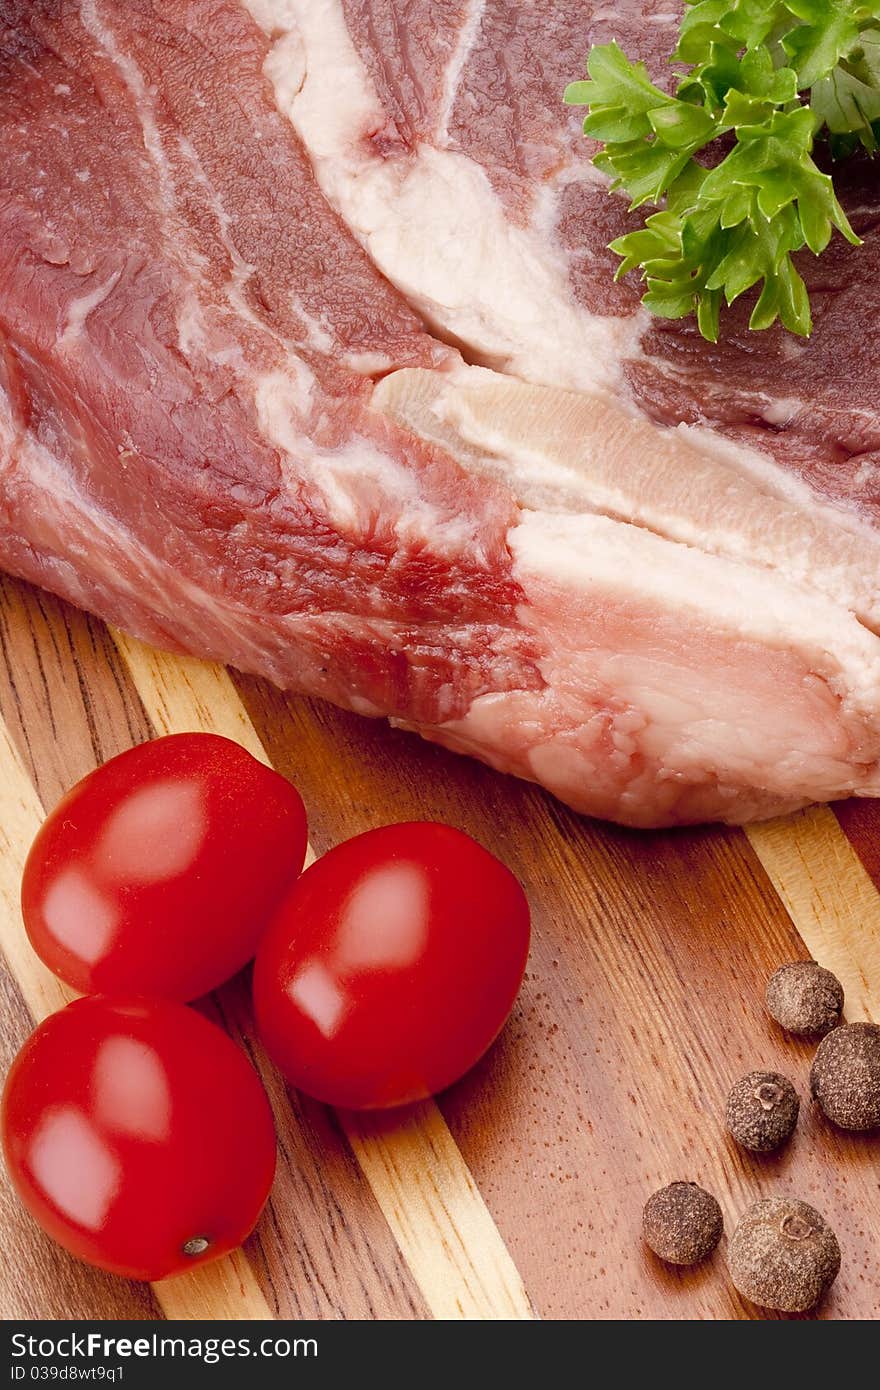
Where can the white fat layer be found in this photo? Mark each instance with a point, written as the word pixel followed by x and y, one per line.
pixel 467 37
pixel 594 554
pixel 354 478
pixel 93 549
pixel 95 24
pixel 433 223
pixel 678 686
pixel 191 321
pixel 563 451
pixel 79 309
pixel 430 218
pixel 109 552
pixel 281 400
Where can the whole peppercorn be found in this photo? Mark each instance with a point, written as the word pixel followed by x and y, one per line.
pixel 762 1111
pixel 783 1255
pixel 682 1223
pixel 805 998
pixel 845 1076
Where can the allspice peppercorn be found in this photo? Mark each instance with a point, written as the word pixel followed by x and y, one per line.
pixel 845 1076
pixel 682 1223
pixel 805 998
pixel 783 1255
pixel 762 1111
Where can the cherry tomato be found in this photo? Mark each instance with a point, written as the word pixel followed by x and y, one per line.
pixel 391 966
pixel 138 1135
pixel 157 873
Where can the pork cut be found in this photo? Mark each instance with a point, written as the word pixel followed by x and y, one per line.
pixel 311 361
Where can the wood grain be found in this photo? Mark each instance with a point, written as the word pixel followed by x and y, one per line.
pixel 330 1252
pixel 437 1214
pixel 210 1292
pixel 21 815
pixel 39 1280
pixel 642 1004
pixel 830 897
pixel 417 1174
pixel 180 694
pixel 227 1288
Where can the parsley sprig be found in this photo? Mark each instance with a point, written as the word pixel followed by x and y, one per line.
pixel 771 76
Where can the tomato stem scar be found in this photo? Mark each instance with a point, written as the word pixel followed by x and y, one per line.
pixel 196 1245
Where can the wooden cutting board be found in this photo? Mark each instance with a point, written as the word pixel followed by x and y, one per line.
pixel 519 1193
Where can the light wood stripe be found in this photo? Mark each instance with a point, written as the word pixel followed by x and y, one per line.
pixel 437 1215
pixel 21 815
pixel 417 1174
pixel 829 896
pixel 227 1288
pixel 180 693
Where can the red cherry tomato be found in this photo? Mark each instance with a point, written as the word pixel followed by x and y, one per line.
pixel 138 1135
pixel 157 873
pixel 391 966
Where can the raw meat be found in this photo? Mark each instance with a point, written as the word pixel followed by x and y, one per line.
pixel 310 361
pixel 475 109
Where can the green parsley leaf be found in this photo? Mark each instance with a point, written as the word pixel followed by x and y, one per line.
pixel 770 76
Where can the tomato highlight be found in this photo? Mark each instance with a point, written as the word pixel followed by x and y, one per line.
pixel 391 966
pixel 138 1135
pixel 158 872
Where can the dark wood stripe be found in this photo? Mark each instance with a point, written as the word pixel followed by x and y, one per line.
pixel 860 822
pixel 64 694
pixel 324 1249
pixel 642 1005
